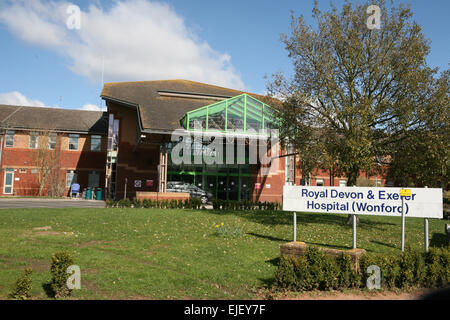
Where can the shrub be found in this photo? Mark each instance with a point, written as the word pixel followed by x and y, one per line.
pixel 316 270
pixel 110 203
pixel 22 286
pixel 147 203
pixel 136 203
pixel 124 203
pixel 348 278
pixel 438 272
pixel 58 269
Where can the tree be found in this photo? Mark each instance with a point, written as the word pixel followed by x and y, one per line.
pixel 423 159
pixel 46 161
pixel 361 90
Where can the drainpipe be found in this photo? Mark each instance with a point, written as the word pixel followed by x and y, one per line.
pixel 1 150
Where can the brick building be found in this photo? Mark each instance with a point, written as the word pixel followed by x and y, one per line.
pixel 73 141
pixel 145 115
pixel 128 149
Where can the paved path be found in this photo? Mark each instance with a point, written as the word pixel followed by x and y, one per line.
pixel 49 203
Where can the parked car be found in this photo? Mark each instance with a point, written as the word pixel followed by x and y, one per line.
pixel 193 190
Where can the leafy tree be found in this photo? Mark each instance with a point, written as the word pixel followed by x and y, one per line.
pixel 357 93
pixel 423 159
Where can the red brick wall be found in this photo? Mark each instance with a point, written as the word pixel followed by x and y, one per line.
pixel 21 157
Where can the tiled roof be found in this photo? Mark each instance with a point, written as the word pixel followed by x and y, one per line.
pixel 162 112
pixel 58 119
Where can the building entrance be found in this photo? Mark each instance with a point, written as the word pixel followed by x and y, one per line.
pixel 226 182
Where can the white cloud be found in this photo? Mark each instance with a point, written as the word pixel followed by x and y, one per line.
pixel 18 99
pixel 138 40
pixel 92 107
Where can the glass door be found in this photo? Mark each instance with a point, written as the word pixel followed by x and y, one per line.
pixel 233 188
pixel 222 187
pixel 9 181
pixel 211 185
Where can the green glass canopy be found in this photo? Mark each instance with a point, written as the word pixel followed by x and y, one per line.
pixel 240 113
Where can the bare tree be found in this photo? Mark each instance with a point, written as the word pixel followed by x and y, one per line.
pixel 46 160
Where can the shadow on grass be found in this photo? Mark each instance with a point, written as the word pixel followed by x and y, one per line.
pixel 384 244
pixel 275 261
pixel 438 240
pixel 274 218
pixel 267 237
pixel 267 283
pixel 48 289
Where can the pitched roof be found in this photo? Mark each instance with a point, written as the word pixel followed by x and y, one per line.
pixel 58 119
pixel 163 103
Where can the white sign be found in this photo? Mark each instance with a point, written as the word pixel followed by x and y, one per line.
pixel 423 202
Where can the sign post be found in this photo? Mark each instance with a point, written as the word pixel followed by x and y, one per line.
pixel 404 193
pixel 295 226
pixel 354 230
pixel 425 232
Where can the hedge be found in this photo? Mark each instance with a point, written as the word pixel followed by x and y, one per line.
pixel 193 203
pixel 318 271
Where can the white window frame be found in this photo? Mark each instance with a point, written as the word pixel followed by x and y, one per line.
pixel 8 134
pixel 342 183
pixel 99 145
pixel 72 136
pixel 35 135
pixel 321 181
pixel 51 143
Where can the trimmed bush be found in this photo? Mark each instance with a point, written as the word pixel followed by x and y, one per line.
pixel 318 271
pixel 58 269
pixel 22 286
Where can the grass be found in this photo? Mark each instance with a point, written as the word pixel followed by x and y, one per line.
pixel 178 254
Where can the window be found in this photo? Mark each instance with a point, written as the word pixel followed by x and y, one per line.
pixel 73 141
pixel 93 179
pixel 34 171
pixel 34 136
pixel 52 141
pixel 342 183
pixel 319 182
pixel 71 178
pixel 23 170
pixel 96 143
pixel 9 139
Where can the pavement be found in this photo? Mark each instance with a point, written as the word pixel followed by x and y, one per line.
pixel 49 203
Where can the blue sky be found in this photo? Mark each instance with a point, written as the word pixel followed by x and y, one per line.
pixel 230 43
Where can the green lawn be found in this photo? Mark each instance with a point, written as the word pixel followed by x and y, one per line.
pixel 176 254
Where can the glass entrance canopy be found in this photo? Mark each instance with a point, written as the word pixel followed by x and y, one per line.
pixel 241 113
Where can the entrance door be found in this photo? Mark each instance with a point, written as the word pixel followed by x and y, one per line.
pixel 222 187
pixel 233 188
pixel 211 185
pixel 9 181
